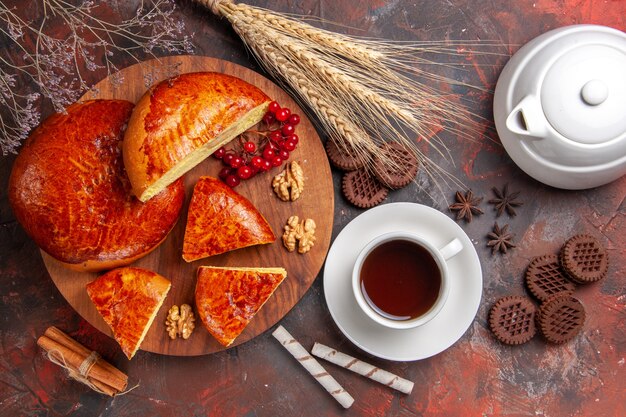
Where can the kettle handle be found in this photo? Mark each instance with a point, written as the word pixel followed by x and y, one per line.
pixel 527 118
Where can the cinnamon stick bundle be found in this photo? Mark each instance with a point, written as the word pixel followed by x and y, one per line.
pixel 82 364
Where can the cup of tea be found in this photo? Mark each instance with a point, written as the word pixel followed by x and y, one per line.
pixel 401 280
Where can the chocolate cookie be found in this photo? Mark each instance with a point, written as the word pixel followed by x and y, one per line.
pixel 344 158
pixel 545 278
pixel 512 320
pixel 584 259
pixel 362 189
pixel 560 318
pixel 403 167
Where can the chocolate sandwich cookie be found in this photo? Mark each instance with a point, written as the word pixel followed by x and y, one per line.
pixel 512 320
pixel 560 318
pixel 545 278
pixel 584 259
pixel 344 157
pixel 362 189
pixel 402 169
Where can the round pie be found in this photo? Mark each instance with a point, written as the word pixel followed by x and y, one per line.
pixel 69 190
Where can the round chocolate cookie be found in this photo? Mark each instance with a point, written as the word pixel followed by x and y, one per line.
pixel 344 158
pixel 560 318
pixel 545 278
pixel 403 168
pixel 584 259
pixel 362 189
pixel 512 320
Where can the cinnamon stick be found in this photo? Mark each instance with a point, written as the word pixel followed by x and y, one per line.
pixel 102 374
pixel 104 388
pixel 115 374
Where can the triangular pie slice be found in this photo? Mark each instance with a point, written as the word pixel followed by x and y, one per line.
pixel 220 220
pixel 129 299
pixel 228 298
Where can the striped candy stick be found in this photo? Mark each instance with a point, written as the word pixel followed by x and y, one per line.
pixel 313 367
pixel 362 368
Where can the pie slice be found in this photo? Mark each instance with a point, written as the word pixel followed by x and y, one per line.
pixel 228 298
pixel 129 299
pixel 220 220
pixel 181 121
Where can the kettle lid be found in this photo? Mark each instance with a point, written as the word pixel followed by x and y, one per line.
pixel 583 93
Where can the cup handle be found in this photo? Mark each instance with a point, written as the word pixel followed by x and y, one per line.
pixel 451 249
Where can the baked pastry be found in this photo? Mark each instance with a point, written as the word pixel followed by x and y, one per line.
pixel 402 166
pixel 363 189
pixel 344 157
pixel 584 259
pixel 228 298
pixel 220 220
pixel 561 318
pixel 181 121
pixel 545 278
pixel 128 299
pixel 512 320
pixel 69 190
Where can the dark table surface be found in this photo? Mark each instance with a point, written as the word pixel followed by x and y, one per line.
pixel 476 376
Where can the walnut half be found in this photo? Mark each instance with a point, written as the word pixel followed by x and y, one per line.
pixel 180 322
pixel 299 234
pixel 288 185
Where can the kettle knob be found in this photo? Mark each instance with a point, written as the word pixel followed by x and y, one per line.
pixel 594 92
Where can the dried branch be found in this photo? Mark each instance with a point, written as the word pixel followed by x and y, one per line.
pixel 58 66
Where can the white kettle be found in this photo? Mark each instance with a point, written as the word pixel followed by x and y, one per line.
pixel 560 107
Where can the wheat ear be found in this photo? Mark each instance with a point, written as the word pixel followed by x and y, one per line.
pixel 365 92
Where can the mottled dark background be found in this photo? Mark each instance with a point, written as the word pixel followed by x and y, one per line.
pixel 477 376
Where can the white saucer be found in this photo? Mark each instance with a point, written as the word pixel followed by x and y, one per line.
pixel 421 342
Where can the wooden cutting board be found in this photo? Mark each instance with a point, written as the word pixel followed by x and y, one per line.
pixel 316 202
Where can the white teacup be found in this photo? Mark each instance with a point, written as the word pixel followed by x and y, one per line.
pixel 401 272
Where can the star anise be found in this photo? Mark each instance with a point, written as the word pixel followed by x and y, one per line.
pixel 505 201
pixel 466 205
pixel 500 239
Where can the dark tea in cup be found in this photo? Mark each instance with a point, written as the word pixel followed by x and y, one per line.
pixel 400 279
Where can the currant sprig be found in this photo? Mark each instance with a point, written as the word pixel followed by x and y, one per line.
pixel 256 151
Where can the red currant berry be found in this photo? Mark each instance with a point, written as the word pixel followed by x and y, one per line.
pixel 273 107
pixel 219 154
pixel 294 119
pixel 249 147
pixel 283 114
pixel 232 181
pixel 268 153
pixel 254 170
pixel 284 154
pixel 267 165
pixel 277 161
pixel 275 136
pixel 269 118
pixel 288 130
pixel 236 162
pixel 224 172
pixel 289 145
pixel 244 172
pixel 228 158
pixel 294 138
pixel 257 162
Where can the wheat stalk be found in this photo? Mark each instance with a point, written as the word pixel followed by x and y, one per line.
pixel 365 92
